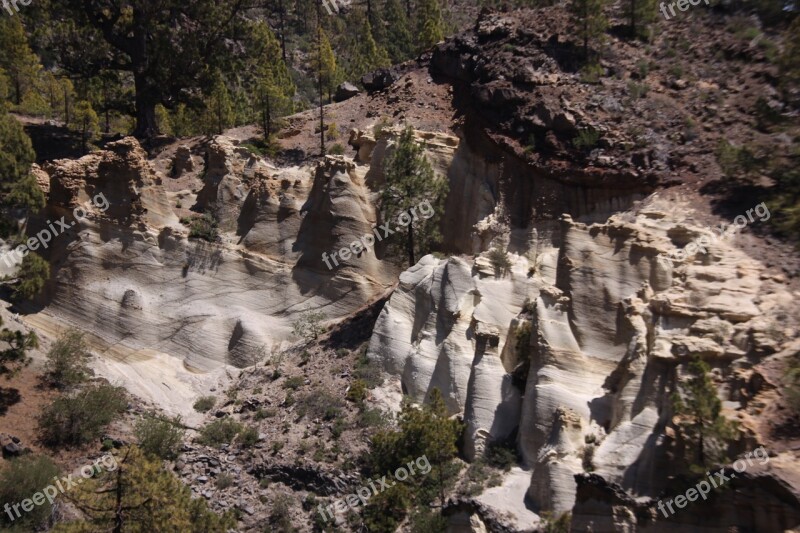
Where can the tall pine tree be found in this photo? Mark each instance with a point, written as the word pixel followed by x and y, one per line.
pixel 399 42
pixel 589 21
pixel 274 88
pixel 365 53
pixel 430 27
pixel 410 182
pixel 699 418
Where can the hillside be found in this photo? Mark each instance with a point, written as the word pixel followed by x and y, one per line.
pixel 589 314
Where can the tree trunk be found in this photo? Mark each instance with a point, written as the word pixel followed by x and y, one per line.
pixel 411 261
pixel 146 124
pixel 408 9
pixel 18 91
pixel 282 18
pixel 66 106
pixel 319 77
pixel 633 18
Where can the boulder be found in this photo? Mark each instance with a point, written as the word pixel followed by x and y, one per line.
pixel 378 80
pixel 345 91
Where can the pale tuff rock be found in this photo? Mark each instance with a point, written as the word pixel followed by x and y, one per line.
pixel 183 161
pixel 151 289
pixel 608 322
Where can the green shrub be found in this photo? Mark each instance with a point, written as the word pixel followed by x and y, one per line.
pixel 553 524
pixel 219 432
pixel 637 90
pixel 309 325
pixel 500 262
pixel 223 481
pixel 33 273
pixel 67 360
pixel 321 404
pixel 248 437
pixel 204 404
pixel 160 436
pixel 202 227
pixel 733 161
pixel 269 412
pixel 20 479
pixel 77 419
pixel 502 455
pixel 586 139
pixel 357 392
pixel 293 382
pixel 336 149
pixel 592 73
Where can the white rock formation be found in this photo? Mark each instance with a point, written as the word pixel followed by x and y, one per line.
pixel 608 321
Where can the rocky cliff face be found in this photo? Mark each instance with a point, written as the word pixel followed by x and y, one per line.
pixel 576 349
pixel 130 274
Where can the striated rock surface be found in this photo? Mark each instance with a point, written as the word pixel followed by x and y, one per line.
pixel 576 350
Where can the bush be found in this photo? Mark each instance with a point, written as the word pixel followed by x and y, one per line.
pixel 308 326
pixel 248 437
pixel 74 420
pixel 224 481
pixel 734 161
pixel 502 455
pixel 586 139
pixel 336 149
pixel 357 392
pixel 202 227
pixel 592 73
pixel 204 404
pixel 637 90
pixel 500 263
pixel 293 382
pixel 321 405
pixel 160 436
pixel 66 360
pixel 21 479
pixel 219 432
pixel 553 524
pixel 34 273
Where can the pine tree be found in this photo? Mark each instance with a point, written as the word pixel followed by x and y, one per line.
pixel 140 496
pixel 365 54
pixel 410 182
pixel 86 121
pixel 399 42
pixel 19 62
pixel 16 158
pixel 33 274
pixel 699 418
pixel 589 21
pixel 219 107
pixel 13 348
pixel 789 61
pixel 273 82
pixel 640 14
pixel 430 27
pixel 422 432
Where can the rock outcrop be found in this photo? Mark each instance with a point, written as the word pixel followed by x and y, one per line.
pixel 577 348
